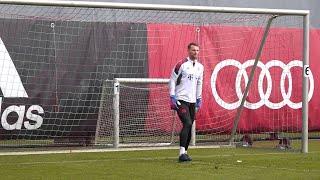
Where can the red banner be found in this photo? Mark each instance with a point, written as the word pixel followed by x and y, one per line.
pixel 227 53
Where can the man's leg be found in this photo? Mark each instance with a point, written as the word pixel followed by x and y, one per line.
pixel 192 115
pixel 184 116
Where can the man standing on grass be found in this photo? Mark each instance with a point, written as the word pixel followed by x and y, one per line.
pixel 185 94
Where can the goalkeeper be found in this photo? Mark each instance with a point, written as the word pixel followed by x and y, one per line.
pixel 185 95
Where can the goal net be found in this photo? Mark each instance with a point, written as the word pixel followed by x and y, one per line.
pixel 135 112
pixel 59 63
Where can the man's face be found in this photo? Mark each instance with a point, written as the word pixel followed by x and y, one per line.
pixel 193 52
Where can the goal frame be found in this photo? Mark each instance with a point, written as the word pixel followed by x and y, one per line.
pixel 279 12
pixel 116 108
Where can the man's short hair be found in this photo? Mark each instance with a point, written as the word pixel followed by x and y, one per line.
pixel 192 44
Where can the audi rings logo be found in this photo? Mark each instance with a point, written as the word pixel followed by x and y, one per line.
pixel 264 96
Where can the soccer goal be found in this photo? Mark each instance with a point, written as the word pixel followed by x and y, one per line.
pixel 70 74
pixel 135 112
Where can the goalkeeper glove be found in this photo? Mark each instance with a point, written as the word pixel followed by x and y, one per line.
pixel 173 103
pixel 198 103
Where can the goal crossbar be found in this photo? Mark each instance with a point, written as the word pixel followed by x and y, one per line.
pixel 165 7
pixel 141 80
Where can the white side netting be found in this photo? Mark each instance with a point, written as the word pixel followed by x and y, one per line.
pixel 275 97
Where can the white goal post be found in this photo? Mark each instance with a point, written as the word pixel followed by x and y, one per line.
pixel 78 110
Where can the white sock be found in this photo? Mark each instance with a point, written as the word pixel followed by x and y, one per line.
pixel 182 150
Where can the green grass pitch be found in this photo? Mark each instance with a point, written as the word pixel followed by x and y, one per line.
pixel 222 163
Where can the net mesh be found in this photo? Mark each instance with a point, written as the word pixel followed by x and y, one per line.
pixel 145 118
pixel 63 55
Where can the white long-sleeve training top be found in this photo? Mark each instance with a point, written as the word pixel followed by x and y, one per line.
pixel 186 80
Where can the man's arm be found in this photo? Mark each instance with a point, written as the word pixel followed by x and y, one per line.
pixel 199 85
pixel 174 78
